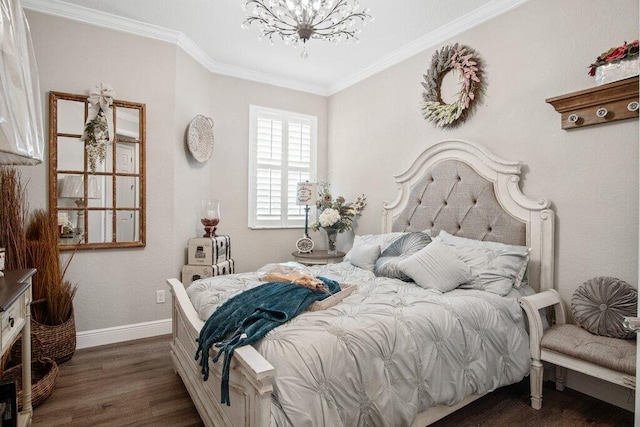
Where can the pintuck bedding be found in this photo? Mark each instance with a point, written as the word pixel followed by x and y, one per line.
pixel 393 353
pixel 389 351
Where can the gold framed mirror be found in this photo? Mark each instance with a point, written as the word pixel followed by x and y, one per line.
pixel 102 207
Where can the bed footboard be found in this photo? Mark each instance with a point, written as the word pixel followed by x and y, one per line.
pixel 250 376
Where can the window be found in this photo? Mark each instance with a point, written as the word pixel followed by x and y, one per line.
pixel 282 152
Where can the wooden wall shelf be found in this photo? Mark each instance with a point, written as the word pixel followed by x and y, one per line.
pixel 601 104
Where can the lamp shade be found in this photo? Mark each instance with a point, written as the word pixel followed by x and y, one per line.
pixel 72 187
pixel 306 193
pixel 21 135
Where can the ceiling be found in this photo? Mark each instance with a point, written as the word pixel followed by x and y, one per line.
pixel 210 31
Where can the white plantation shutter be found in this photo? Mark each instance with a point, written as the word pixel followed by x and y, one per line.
pixel 268 167
pixel 282 152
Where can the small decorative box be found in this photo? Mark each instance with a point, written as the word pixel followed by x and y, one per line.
pixel 209 250
pixel 195 272
pixel 224 267
pixel 618 70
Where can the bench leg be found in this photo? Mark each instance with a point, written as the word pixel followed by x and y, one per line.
pixel 537 373
pixel 561 377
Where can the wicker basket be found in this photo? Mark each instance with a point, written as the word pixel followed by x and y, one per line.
pixel 58 342
pixel 44 375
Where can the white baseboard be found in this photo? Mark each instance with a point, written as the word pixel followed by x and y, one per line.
pixel 117 334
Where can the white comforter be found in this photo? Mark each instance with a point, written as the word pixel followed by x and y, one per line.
pixel 386 353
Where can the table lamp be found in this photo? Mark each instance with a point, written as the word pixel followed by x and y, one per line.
pixel 72 187
pixel 306 194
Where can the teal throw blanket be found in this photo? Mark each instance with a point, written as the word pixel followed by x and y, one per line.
pixel 249 316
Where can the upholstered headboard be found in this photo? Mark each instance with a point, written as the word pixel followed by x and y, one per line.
pixel 460 187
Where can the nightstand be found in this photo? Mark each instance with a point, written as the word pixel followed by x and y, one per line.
pixel 317 257
pixel 15 314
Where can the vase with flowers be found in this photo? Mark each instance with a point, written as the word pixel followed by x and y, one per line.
pixel 616 64
pixel 335 215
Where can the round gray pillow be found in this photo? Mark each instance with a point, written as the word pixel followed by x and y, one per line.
pixel 600 304
pixel 402 248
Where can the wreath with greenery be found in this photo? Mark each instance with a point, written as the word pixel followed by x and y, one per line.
pixel 97 132
pixel 466 62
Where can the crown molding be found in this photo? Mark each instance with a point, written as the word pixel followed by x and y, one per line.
pixel 131 26
pixel 114 22
pixel 192 49
pixel 101 19
pixel 428 41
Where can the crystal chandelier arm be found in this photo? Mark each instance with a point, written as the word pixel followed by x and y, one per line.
pixel 335 36
pixel 332 27
pixel 300 20
pixel 335 9
pixel 270 33
pixel 261 6
pixel 270 28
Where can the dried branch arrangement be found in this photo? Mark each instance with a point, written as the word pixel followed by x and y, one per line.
pixel 31 241
pixel 50 290
pixel 13 213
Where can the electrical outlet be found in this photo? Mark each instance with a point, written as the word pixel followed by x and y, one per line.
pixel 159 297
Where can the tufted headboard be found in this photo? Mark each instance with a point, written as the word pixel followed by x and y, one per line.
pixel 460 187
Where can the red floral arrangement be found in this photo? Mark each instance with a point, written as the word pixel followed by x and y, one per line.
pixel 627 50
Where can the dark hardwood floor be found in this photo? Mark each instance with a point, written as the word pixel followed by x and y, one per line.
pixel 130 383
pixel 133 383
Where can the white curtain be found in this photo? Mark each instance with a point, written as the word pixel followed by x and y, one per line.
pixel 21 134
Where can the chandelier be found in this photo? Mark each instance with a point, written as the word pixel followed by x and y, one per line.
pixel 300 20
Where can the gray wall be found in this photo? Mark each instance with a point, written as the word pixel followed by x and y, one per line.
pixel 367 133
pixel 117 287
pixel 539 50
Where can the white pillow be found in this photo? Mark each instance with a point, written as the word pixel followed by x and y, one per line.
pixel 496 267
pixel 382 240
pixel 436 266
pixel 365 255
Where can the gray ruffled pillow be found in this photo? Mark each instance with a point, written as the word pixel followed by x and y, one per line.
pixel 402 248
pixel 436 266
pixel 496 267
pixel 600 304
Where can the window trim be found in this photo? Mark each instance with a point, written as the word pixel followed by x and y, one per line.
pixel 254 112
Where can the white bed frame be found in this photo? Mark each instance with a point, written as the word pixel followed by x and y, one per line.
pixel 251 375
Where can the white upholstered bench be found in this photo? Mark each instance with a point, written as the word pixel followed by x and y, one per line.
pixel 570 347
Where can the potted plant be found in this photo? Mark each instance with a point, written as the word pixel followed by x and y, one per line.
pixel 616 64
pixel 13 215
pixel 52 320
pixel 31 241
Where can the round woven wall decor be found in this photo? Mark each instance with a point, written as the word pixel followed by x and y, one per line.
pixel 200 138
pixel 460 59
pixel 600 304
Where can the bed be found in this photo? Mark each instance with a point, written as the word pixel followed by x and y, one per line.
pixel 392 353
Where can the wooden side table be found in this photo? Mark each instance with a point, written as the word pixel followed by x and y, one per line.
pixel 15 315
pixel 317 257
